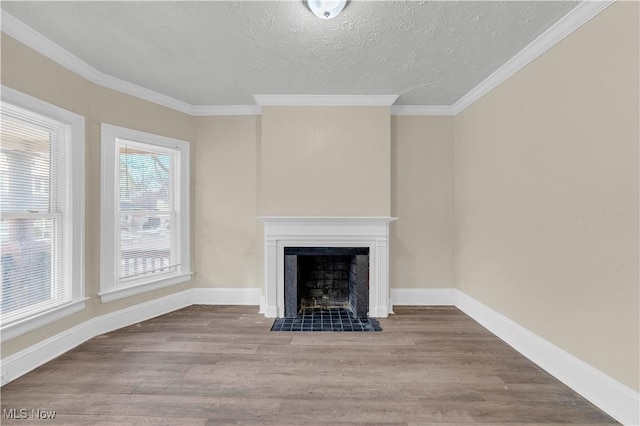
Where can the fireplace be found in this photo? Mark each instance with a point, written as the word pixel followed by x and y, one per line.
pixel 326 277
pixel 338 235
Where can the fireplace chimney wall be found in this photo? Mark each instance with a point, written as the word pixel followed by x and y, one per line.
pixel 325 161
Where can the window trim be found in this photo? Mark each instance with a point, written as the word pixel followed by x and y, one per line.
pixel 76 126
pixel 109 288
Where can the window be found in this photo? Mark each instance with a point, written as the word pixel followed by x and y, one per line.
pixel 145 212
pixel 42 213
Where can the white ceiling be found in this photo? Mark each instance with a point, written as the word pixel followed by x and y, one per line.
pixel 223 52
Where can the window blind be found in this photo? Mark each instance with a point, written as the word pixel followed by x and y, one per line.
pixel 146 210
pixel 35 228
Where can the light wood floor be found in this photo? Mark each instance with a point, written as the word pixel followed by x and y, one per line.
pixel 221 365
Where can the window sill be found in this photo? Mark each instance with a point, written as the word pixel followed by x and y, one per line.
pixel 121 293
pixel 26 325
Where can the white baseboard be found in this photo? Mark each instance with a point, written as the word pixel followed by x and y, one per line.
pixel 142 312
pixel 423 297
pixel 619 401
pixel 34 356
pixel 227 296
pixel 614 398
pixel 42 352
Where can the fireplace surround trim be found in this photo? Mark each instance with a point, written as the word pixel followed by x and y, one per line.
pixel 296 231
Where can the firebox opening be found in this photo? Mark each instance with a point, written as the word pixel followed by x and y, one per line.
pixel 323 281
pixel 325 278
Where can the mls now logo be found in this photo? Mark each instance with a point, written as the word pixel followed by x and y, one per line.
pixel 23 414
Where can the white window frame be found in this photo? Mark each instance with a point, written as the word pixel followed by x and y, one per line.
pixel 111 287
pixel 76 128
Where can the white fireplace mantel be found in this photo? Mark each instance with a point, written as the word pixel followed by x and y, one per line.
pixel 281 232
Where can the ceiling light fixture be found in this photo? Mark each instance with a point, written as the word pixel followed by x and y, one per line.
pixel 326 9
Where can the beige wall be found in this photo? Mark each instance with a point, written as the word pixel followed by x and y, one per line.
pixel 547 213
pixel 421 241
pixel 227 237
pixel 27 71
pixel 325 161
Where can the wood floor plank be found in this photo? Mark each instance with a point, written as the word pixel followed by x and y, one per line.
pixel 194 347
pixel 211 365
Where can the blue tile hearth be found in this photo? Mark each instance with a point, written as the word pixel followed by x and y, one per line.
pixel 326 319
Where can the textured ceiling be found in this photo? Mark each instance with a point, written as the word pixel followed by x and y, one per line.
pixel 223 52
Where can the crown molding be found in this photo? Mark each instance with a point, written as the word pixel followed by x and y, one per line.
pixel 580 15
pixel 573 20
pixel 325 100
pixel 422 110
pixel 204 110
pixel 30 37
